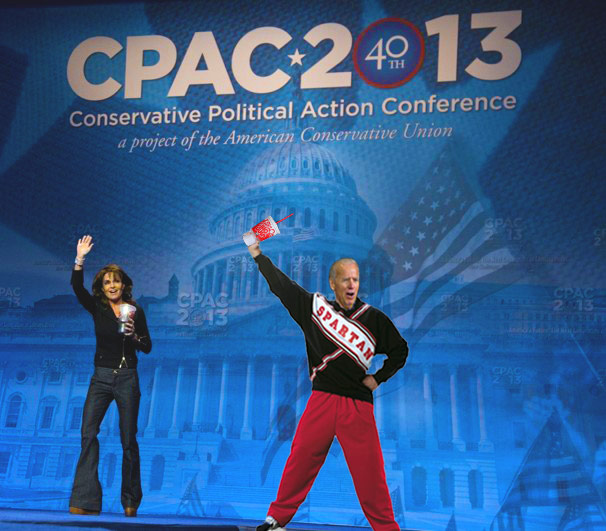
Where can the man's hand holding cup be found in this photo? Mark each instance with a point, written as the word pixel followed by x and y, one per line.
pixel 254 249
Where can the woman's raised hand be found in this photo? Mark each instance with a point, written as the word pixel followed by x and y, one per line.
pixel 85 244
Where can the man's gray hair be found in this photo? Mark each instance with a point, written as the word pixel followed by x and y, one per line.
pixel 332 274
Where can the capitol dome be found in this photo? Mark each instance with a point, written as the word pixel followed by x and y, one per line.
pixel 330 221
pixel 296 162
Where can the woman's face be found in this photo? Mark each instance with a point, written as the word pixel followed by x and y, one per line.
pixel 112 287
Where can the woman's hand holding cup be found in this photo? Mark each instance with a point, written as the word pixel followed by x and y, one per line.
pixel 129 327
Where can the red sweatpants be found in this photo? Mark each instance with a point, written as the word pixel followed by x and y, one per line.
pixel 353 423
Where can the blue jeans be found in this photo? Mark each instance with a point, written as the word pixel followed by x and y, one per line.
pixel 121 385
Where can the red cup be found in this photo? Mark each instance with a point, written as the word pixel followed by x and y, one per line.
pixel 261 231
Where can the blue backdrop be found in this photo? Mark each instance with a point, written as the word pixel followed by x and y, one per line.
pixel 454 150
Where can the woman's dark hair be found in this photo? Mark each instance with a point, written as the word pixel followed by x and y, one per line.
pixel 117 271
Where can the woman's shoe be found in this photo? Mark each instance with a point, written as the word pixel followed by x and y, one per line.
pixel 130 511
pixel 77 510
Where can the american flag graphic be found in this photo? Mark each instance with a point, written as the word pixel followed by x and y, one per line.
pixel 295 399
pixel 452 523
pixel 191 504
pixel 582 517
pixel 300 235
pixel 445 250
pixel 552 475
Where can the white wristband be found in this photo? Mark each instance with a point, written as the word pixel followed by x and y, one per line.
pixel 79 261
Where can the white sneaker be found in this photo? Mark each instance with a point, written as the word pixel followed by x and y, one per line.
pixel 270 524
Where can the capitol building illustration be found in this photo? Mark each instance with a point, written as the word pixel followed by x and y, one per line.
pixel 227 378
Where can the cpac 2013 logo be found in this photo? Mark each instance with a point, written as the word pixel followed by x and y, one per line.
pixel 386 54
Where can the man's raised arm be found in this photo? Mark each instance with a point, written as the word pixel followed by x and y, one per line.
pixel 294 298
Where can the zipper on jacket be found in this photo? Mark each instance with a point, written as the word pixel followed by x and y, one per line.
pixel 123 360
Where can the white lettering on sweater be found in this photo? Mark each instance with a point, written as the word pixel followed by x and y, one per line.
pixel 345 333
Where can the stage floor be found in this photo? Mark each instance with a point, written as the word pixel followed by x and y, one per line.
pixel 35 520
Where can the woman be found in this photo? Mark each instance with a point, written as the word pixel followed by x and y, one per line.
pixel 115 378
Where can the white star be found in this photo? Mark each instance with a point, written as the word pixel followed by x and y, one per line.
pixel 413 215
pixel 434 235
pixel 441 189
pixel 295 58
pixel 28 118
pixel 414 251
pixel 421 201
pixel 407 266
pixel 427 221
pixel 392 260
pixel 45 66
pixel 407 230
pixel 420 236
pixel 435 205
pixel 400 245
pixel 428 186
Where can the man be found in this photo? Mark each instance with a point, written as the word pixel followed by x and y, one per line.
pixel 341 337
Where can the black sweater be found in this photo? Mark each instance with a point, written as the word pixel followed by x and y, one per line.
pixel 110 343
pixel 341 374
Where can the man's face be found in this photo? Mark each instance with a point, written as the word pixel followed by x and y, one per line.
pixel 346 284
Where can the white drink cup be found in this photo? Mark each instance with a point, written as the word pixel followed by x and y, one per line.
pixel 127 311
pixel 261 231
